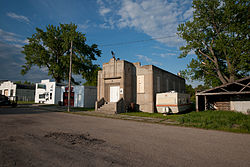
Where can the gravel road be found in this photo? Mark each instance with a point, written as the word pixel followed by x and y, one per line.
pixel 36 137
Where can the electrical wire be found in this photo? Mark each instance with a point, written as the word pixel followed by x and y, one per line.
pixel 138 41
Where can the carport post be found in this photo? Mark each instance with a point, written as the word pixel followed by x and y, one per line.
pixel 205 100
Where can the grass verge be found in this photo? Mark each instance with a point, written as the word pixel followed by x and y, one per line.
pixel 82 109
pixel 25 102
pixel 217 120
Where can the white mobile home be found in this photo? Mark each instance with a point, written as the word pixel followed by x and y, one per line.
pixel 23 92
pixel 172 102
pixel 47 92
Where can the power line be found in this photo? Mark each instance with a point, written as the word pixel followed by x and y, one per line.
pixel 138 41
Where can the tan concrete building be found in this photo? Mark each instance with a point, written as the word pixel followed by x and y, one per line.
pixel 121 83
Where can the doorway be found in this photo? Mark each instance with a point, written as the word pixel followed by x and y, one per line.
pixel 114 93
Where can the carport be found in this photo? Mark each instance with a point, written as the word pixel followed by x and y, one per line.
pixel 233 96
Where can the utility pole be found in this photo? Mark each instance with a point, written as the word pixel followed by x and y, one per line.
pixel 70 67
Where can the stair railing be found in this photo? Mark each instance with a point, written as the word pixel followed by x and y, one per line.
pixel 120 106
pixel 99 103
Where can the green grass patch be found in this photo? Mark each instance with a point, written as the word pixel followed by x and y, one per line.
pixel 82 109
pixel 218 120
pixel 25 102
pixel 144 114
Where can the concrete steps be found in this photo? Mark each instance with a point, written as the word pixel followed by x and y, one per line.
pixel 108 108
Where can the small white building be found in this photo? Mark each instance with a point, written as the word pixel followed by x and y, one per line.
pixel 47 92
pixel 84 96
pixel 23 92
pixel 51 93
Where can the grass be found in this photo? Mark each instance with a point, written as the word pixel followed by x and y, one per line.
pixel 82 109
pixel 25 102
pixel 218 120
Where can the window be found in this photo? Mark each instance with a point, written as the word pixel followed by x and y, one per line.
pixel 11 92
pixel 50 96
pixel 1 92
pixel 42 96
pixel 158 84
pixel 167 85
pixel 41 86
pixel 140 84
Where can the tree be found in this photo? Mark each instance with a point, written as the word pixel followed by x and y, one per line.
pixel 92 77
pixel 219 36
pixel 51 49
pixel 191 91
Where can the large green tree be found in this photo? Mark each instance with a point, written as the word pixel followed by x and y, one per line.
pixel 51 49
pixel 219 36
pixel 91 78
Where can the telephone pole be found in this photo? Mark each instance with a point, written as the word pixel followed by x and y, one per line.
pixel 70 67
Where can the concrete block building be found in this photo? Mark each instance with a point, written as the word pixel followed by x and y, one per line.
pixel 121 83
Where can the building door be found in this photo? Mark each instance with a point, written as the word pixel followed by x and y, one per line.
pixel 6 92
pixel 79 101
pixel 65 99
pixel 114 93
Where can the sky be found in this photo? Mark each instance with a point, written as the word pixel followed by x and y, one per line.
pixel 136 30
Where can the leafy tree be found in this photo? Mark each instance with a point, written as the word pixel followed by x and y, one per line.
pixel 190 90
pixel 219 36
pixel 51 49
pixel 25 82
pixel 92 77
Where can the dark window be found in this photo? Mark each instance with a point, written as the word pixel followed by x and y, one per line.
pixel 42 96
pixel 41 86
pixel 50 96
pixel 1 92
pixel 11 92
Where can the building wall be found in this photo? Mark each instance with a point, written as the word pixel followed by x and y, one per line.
pixel 240 103
pixel 111 75
pixel 90 93
pixel 6 88
pixel 47 93
pixel 25 95
pixel 129 87
pixel 145 98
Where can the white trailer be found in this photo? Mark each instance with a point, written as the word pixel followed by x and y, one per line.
pixel 172 102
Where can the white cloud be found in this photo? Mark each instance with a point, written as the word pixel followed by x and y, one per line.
pixel 163 55
pixel 156 18
pixel 104 11
pixel 147 59
pixel 11 38
pixel 84 25
pixel 18 17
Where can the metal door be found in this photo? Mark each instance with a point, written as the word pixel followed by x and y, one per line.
pixel 114 93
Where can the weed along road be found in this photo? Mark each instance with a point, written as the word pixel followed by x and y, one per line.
pixel 36 137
